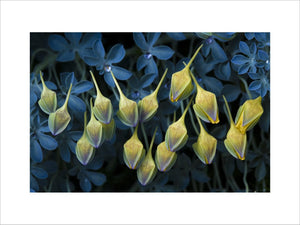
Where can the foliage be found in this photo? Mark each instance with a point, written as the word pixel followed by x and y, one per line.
pixel 230 66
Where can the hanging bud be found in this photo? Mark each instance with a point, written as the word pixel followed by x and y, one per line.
pixel 134 151
pixel 149 104
pixel 206 106
pixel 48 101
pixel 181 82
pixel 249 114
pixel 103 109
pixel 108 130
pixel 147 171
pixel 59 120
pixel 94 130
pixel 164 158
pixel 235 141
pixel 84 150
pixel 128 110
pixel 206 145
pixel 176 135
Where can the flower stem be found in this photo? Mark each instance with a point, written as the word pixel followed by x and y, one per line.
pixel 245 177
pixel 246 87
pixel 145 135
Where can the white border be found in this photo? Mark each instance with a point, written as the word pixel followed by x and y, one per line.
pixel 281 206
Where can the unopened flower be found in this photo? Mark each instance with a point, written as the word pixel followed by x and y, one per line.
pixel 181 82
pixel 249 114
pixel 164 158
pixel 206 145
pixel 94 130
pixel 149 104
pixel 108 130
pixel 147 170
pixel 48 101
pixel 206 106
pixel 102 109
pixel 134 151
pixel 176 135
pixel 59 120
pixel 235 141
pixel 128 110
pixel 84 150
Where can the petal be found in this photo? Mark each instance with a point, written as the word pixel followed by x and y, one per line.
pixel 66 56
pixel 151 67
pixel 140 41
pixel 176 36
pixel 38 172
pixel 243 68
pixel 262 55
pixel 254 76
pixel 76 104
pixel 162 52
pixel 99 49
pixel 36 153
pixel 141 62
pixel 239 59
pixel 218 52
pixel 85 184
pixel 73 37
pixel 152 38
pixel 57 42
pixel 82 86
pixel 109 80
pixel 244 48
pixel 121 73
pixel 231 92
pixel 115 54
pixel 47 141
pixel 97 179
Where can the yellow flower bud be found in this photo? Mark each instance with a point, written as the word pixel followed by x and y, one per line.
pixel 235 141
pixel 176 135
pixel 149 104
pixel 249 114
pixel 108 130
pixel 103 109
pixel 181 82
pixel 59 120
pixel 134 151
pixel 206 106
pixel 164 158
pixel 48 101
pixel 147 170
pixel 94 130
pixel 206 145
pixel 128 110
pixel 84 150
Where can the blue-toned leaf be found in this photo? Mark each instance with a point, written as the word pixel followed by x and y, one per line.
pixel 151 67
pixel 199 176
pixel 96 163
pixel 39 172
pixel 121 73
pixel 89 39
pixel 244 48
pixel 218 53
pixel 254 76
pixel 141 62
pixel 73 37
pixel 96 178
pixel 76 104
pixel 244 68
pixel 99 49
pixel 33 184
pixel 140 41
pixel 108 79
pixel 152 38
pixel 46 141
pixel 115 54
pixel 72 146
pixel 162 52
pixel 85 184
pixel 239 59
pixel 93 61
pixel 64 152
pixel 262 37
pixel 260 171
pixel 67 78
pixel 75 135
pixel 82 86
pixel 57 42
pixel 212 84
pixel 147 79
pixel 207 47
pixel 33 98
pixel 36 153
pixel 255 85
pixel 231 92
pixel 223 71
pixel 50 85
pixel 66 56
pixel 176 36
pixel 262 55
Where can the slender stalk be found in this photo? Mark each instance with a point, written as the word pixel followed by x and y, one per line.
pixel 217 175
pixel 246 87
pixel 228 110
pixel 193 121
pixel 193 57
pixel 117 85
pixel 68 96
pixel 160 82
pixel 245 177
